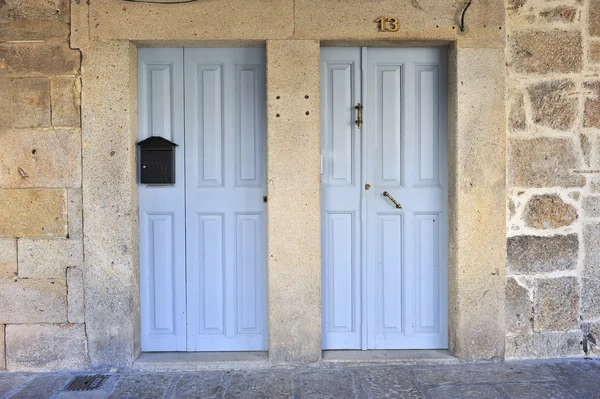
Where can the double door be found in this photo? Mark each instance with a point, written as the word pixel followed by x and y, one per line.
pixel 203 239
pixel 384 198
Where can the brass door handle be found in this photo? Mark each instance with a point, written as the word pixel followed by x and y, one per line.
pixel 386 194
pixel 359 120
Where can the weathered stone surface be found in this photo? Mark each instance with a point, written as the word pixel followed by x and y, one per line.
pixel 39 10
pixel 8 257
pixel 40 158
pixel 591 206
pixel 548 211
pixel 595 52
pixel 519 308
pixel 33 213
pixel 556 302
pixel 45 347
pixel 381 382
pixel 554 104
pixel 514 5
pixel 463 392
pixel 549 390
pixel 38 59
pixel 541 52
pixel 10 382
pixel 42 387
pixel 276 385
pixel 75 295
pixel 330 385
pixel 31 102
pixel 580 376
pixel 6 88
pixel 2 351
pixel 590 298
pixel 586 148
pixel 591 113
pixel 543 162
pixel 66 101
pixel 591 258
pixel 543 345
pixel 208 385
pixel 564 14
pixel 594 18
pixel 48 258
pixel 34 30
pixel 33 301
pixel 534 254
pixel 517 120
pixel 471 374
pixel 75 213
pixel 142 386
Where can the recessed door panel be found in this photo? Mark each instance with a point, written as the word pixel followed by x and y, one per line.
pixel 384 269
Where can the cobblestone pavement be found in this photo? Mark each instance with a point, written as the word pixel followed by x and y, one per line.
pixel 551 379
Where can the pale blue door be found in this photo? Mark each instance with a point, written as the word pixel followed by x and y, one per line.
pixel 203 240
pixel 384 267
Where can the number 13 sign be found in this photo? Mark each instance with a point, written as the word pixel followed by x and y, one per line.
pixel 388 24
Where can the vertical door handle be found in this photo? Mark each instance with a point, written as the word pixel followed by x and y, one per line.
pixel 359 120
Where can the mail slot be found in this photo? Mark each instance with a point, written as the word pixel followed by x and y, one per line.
pixel 157 161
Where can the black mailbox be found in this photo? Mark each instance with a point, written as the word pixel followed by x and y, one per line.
pixel 157 161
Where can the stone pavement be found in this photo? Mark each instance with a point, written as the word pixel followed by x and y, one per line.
pixel 540 379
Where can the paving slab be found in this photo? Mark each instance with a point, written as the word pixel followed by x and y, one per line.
pixel 208 385
pixel 464 392
pixel 42 386
pixel 10 381
pixel 259 385
pixel 537 391
pixel 325 384
pixel 147 386
pixel 582 377
pixel 387 382
pixel 490 373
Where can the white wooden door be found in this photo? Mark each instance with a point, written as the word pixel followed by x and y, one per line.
pixel 384 268
pixel 203 240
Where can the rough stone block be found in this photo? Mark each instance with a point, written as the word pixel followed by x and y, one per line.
pixel 549 211
pixel 543 345
pixel 75 213
pixel 38 59
pixel 564 14
pixel 2 346
pixel 595 52
pixel 542 52
pixel 8 257
pixel 40 158
pixel 33 213
pixel 590 298
pixel 6 96
pixel 519 308
pixel 38 10
pixel 591 113
pixel 591 207
pixel 533 254
pixel 554 104
pixel 591 249
pixel 75 295
pixel 556 303
pixel 66 101
pixel 48 258
pixel 31 102
pixel 45 347
pixel 21 30
pixel 594 18
pixel 516 119
pixel 33 301
pixel 543 162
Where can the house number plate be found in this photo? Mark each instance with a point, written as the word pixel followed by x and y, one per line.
pixel 388 24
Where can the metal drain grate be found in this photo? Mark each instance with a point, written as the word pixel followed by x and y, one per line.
pixel 86 382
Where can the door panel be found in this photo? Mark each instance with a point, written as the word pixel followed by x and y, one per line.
pixel 340 198
pixel 226 231
pixel 162 208
pixel 396 259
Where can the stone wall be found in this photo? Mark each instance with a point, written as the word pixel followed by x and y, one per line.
pixel 41 247
pixel 553 177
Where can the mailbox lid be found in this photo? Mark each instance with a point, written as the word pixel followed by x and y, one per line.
pixel 156 143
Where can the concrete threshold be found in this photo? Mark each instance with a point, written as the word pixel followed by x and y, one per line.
pixel 390 357
pixel 197 361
